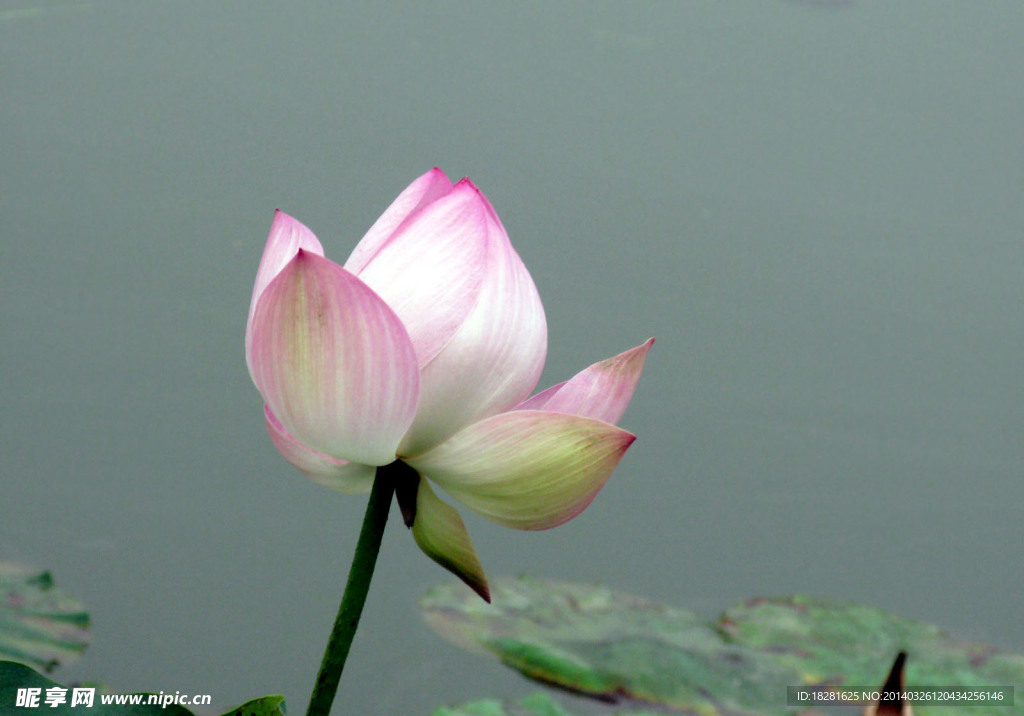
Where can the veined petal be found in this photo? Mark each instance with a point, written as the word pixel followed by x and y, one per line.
pixel 538 401
pixel 351 477
pixel 494 360
pixel 527 469
pixel 425 189
pixel 430 269
pixel 439 531
pixel 333 362
pixel 286 237
pixel 602 391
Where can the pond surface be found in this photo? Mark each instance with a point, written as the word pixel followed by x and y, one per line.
pixel 817 209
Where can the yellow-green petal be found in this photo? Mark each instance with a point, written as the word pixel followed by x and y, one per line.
pixel 439 531
pixel 528 469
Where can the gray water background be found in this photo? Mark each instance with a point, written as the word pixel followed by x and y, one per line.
pixel 816 208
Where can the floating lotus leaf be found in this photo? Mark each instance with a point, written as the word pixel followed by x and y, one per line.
pixel 841 643
pixel 611 645
pixel 534 705
pixel 621 648
pixel 40 625
pixel 538 704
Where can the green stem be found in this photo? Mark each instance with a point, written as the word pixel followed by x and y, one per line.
pixel 356 588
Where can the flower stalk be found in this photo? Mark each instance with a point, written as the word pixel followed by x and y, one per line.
pixel 356 589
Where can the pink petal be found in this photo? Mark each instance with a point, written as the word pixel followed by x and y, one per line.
pixel 333 362
pixel 439 531
pixel 538 401
pixel 351 477
pixel 527 469
pixel 494 360
pixel 424 190
pixel 431 269
pixel 286 237
pixel 602 391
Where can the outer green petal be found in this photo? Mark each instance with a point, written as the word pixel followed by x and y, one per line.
pixel 439 531
pixel 528 469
